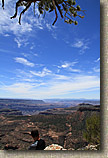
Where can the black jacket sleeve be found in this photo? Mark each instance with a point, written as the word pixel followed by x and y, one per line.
pixel 39 146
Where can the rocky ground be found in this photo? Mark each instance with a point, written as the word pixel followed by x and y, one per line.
pixel 61 128
pixel 64 130
pixel 58 147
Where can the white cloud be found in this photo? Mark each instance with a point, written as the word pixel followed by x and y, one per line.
pixel 19 88
pixel 23 88
pixel 78 44
pixel 80 83
pixel 97 60
pixel 8 25
pixel 48 26
pixel 27 79
pixel 18 42
pixel 21 42
pixel 60 77
pixel 6 35
pixel 21 73
pixel 54 88
pixel 35 54
pixel 24 61
pixel 65 65
pixel 5 51
pixel 42 73
pixel 68 65
pixel 25 54
pixel 32 46
pixel 96 69
pixel 28 21
pixel 81 44
pixel 74 70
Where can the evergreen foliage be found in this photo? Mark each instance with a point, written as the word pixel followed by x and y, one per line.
pixel 92 132
pixel 68 9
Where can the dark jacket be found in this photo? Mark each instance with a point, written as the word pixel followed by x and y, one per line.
pixel 38 145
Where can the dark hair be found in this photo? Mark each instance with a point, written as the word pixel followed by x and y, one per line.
pixel 34 133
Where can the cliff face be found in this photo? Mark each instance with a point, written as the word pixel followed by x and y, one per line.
pixel 80 107
pixel 10 112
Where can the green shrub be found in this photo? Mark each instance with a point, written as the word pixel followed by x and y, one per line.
pixel 92 132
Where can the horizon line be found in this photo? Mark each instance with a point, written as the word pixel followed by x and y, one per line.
pixel 53 98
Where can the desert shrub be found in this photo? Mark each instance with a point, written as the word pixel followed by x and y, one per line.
pixel 92 132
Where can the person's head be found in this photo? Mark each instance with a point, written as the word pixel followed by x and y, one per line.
pixel 35 134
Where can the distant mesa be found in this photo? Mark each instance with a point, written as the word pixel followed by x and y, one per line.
pixel 88 107
pixel 10 112
pixel 43 107
pixel 25 101
pixel 80 107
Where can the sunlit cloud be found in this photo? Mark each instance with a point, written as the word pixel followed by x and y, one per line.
pixel 78 44
pixel 54 87
pixel 96 69
pixel 5 51
pixel 24 61
pixel 42 73
pixel 75 70
pixel 69 66
pixel 8 25
pixel 25 54
pixel 28 22
pixel 82 44
pixel 97 60
pixel 21 42
pixel 6 35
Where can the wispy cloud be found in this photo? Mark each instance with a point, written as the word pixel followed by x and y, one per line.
pixel 78 44
pixel 97 60
pixel 5 51
pixel 42 73
pixel 6 35
pixel 35 54
pixel 54 88
pixel 82 44
pixel 79 83
pixel 69 66
pixel 60 77
pixel 28 22
pixel 25 54
pixel 7 25
pixel 75 70
pixel 24 61
pixel 48 26
pixel 32 46
pixel 95 69
pixel 21 42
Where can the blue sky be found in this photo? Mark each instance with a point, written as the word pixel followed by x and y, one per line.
pixel 39 61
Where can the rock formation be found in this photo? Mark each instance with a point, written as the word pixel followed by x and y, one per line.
pixel 54 147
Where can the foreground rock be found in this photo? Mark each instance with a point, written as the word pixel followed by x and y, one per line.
pixel 58 147
pixel 54 147
pixel 91 147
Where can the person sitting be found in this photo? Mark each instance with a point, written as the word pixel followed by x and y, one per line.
pixel 39 144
